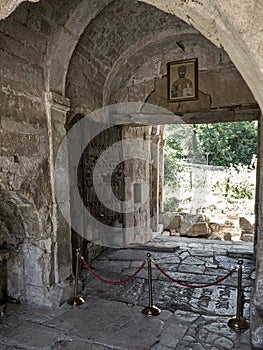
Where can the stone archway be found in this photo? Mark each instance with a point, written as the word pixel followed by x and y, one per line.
pixel 214 22
pixel 222 22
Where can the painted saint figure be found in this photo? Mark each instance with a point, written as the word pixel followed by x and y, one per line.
pixel 182 87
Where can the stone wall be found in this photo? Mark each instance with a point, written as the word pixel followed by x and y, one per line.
pixel 133 182
pixel 25 145
pixel 137 181
pixel 100 49
pixel 228 25
pixel 37 43
pixel 228 100
pixel 257 298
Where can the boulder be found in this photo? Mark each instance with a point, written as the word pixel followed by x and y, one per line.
pixel 230 227
pixel 194 225
pixel 198 229
pixel 173 232
pixel 170 221
pixel 247 237
pixel 215 236
pixel 166 233
pixel 227 236
pixel 245 225
pixel 216 227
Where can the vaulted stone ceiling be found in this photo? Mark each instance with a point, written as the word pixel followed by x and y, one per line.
pixel 129 43
pixel 98 53
pixel 120 39
pixel 228 23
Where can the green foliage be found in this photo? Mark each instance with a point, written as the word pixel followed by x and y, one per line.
pixel 173 152
pixel 170 204
pixel 181 146
pixel 236 183
pixel 224 144
pixel 228 143
pixel 178 139
pixel 231 146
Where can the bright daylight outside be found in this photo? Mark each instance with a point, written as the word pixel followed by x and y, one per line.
pixel 210 180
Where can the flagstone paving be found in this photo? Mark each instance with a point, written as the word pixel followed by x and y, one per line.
pixel 112 318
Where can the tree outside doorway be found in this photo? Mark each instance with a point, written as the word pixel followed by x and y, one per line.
pixel 216 164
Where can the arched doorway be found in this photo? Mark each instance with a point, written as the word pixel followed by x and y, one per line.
pixel 237 50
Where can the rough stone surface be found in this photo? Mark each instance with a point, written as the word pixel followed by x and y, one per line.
pixel 245 225
pixel 194 225
pixel 86 52
pixel 200 225
pixel 207 19
pixel 170 221
pixel 198 229
pixel 112 316
pixel 8 6
pixel 247 237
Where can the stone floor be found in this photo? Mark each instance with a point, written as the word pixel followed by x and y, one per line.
pixel 112 316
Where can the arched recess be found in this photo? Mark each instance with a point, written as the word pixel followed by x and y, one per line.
pixel 221 23
pixel 138 53
pixel 208 20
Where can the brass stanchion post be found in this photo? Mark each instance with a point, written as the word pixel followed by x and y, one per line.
pixel 238 322
pixel 2 310
pixel 150 310
pixel 76 300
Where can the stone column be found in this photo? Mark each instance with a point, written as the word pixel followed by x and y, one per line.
pixel 57 107
pixel 257 299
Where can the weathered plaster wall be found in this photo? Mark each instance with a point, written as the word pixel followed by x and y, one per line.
pixel 222 93
pixel 229 24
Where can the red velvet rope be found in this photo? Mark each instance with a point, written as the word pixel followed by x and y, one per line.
pixel 112 282
pixel 194 286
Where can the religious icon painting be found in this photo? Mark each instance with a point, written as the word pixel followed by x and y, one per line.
pixel 182 79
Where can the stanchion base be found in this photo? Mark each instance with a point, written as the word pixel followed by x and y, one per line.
pixel 76 301
pixel 151 311
pixel 238 324
pixel 3 310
